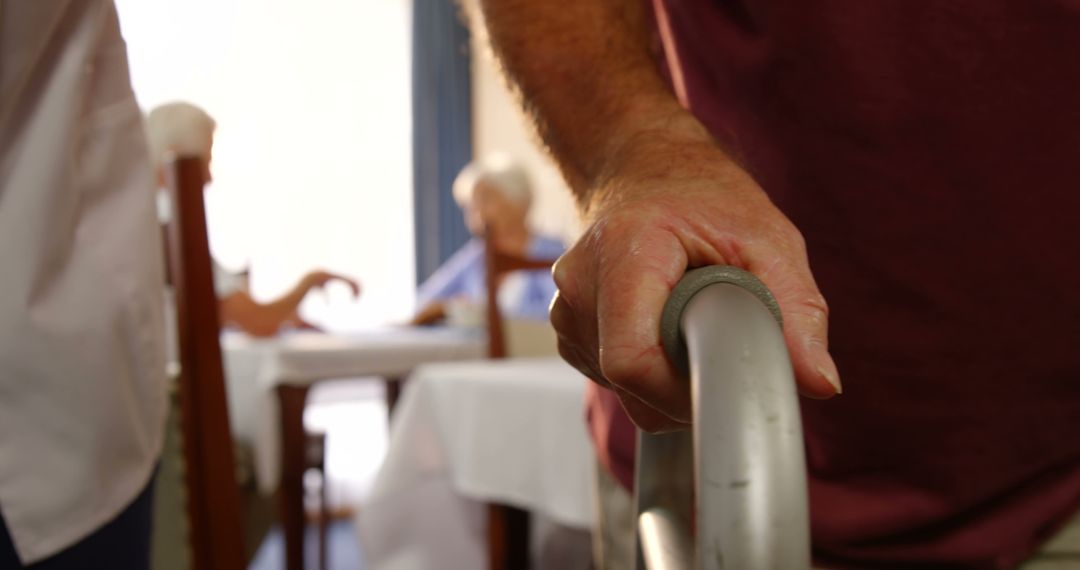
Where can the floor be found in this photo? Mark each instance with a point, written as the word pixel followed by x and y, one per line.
pixel 352 413
pixel 344 549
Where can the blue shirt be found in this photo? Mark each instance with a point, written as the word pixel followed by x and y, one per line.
pixel 463 276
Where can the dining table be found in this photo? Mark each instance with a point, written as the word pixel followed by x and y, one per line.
pixel 470 434
pixel 268 379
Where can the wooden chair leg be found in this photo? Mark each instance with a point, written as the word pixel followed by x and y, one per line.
pixel 508 538
pixel 291 490
pixel 324 519
pixel 393 393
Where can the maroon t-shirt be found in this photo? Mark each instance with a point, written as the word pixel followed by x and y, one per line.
pixel 930 154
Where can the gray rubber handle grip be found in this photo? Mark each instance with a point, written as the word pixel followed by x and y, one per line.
pixel 694 281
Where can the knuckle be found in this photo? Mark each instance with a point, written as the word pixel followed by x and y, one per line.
pixel 567 273
pixel 816 305
pixel 795 237
pixel 561 272
pixel 787 236
pixel 812 310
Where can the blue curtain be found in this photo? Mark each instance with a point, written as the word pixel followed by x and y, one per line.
pixel 442 128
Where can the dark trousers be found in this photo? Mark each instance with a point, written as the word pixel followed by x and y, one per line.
pixel 122 544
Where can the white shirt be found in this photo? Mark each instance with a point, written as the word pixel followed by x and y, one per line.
pixel 82 376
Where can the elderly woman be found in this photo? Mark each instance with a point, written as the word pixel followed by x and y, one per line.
pixel 183 128
pixel 494 195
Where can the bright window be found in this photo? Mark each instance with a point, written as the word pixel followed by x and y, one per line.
pixel 312 156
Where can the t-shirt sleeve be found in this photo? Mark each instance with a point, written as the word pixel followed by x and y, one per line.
pixel 225 283
pixel 452 277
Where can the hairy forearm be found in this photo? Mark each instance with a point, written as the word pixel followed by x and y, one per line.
pixel 587 77
pixel 662 197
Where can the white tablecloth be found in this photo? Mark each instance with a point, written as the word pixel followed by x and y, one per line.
pixel 254 367
pixel 510 431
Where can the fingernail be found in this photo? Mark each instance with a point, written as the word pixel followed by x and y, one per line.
pixel 829 373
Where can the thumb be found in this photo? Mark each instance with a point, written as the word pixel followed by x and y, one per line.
pixel 806 329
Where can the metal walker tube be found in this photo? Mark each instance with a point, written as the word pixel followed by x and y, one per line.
pixel 749 472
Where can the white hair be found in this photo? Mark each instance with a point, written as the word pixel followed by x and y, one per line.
pixel 498 171
pixel 181 128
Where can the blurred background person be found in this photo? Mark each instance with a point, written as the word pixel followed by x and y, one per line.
pixel 183 128
pixel 494 195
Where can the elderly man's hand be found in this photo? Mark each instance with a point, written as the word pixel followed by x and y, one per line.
pixel 664 207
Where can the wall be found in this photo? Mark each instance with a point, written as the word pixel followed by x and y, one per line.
pixel 312 161
pixel 500 126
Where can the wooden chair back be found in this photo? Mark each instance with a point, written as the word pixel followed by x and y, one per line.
pixel 213 501
pixel 497 266
pixel 508 527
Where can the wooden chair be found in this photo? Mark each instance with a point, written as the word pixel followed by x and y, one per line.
pixel 497 266
pixel 300 451
pixel 213 503
pixel 508 527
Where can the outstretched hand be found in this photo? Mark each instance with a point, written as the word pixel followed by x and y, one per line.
pixel 318 279
pixel 668 208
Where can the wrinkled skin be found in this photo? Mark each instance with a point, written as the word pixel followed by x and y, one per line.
pixel 664 208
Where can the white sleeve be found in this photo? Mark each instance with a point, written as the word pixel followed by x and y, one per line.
pixel 225 283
